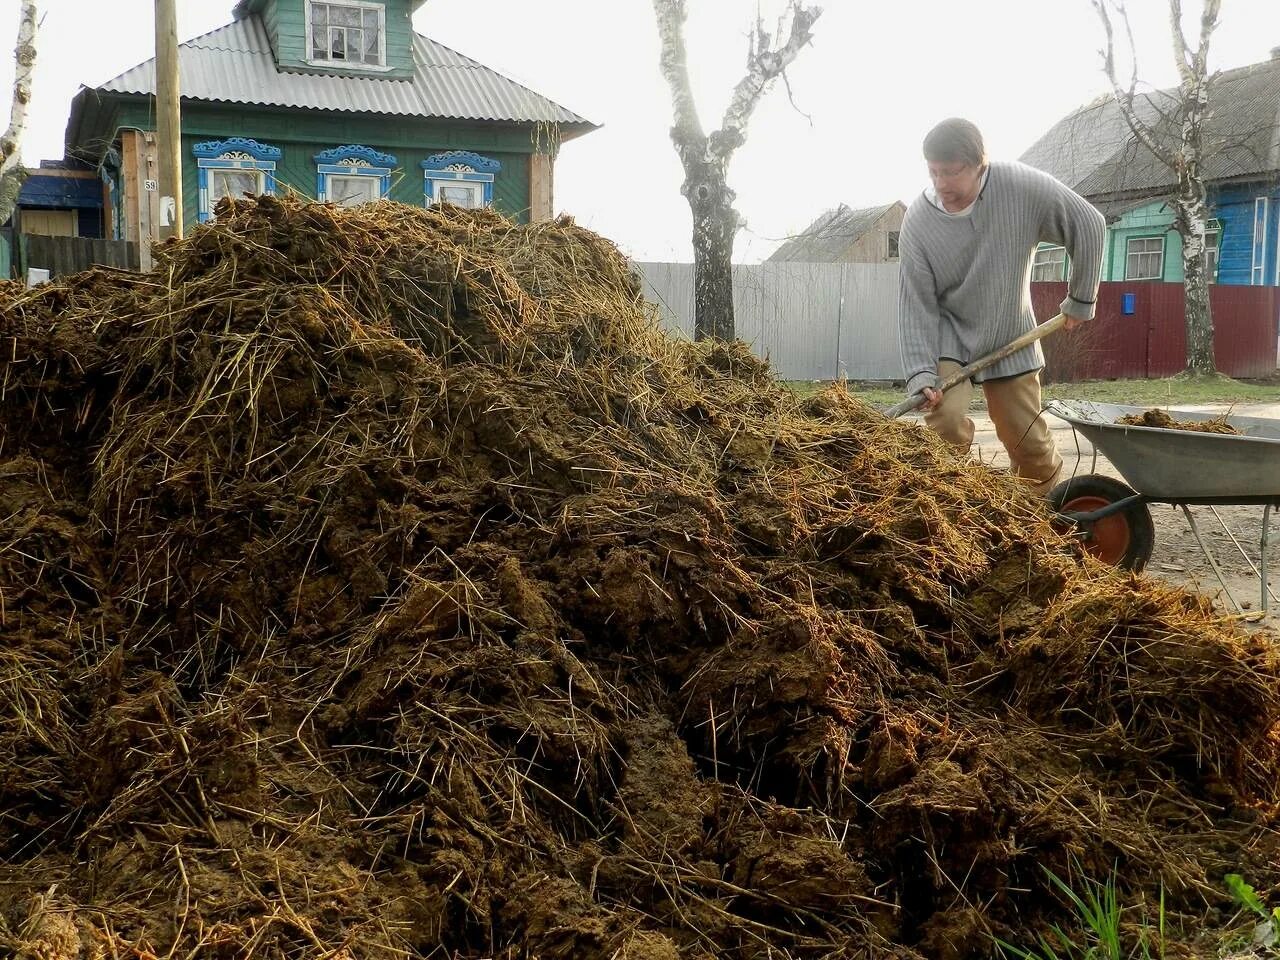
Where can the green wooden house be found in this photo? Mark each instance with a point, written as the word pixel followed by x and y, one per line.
pixel 1094 152
pixel 334 99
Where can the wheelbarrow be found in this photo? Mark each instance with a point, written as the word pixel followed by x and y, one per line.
pixel 1179 467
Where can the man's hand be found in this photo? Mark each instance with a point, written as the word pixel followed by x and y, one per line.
pixel 932 398
pixel 1071 323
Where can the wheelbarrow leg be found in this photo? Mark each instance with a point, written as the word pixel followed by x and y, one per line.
pixel 1266 529
pixel 1267 593
pixel 1208 555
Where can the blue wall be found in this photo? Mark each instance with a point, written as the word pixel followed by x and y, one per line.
pixel 1234 208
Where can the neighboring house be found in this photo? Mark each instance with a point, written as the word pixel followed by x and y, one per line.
pixel 60 198
pixel 843 235
pixel 337 100
pixel 1094 152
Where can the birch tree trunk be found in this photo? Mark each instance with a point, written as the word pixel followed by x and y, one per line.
pixel 1192 208
pixel 705 158
pixel 1191 213
pixel 1183 157
pixel 11 172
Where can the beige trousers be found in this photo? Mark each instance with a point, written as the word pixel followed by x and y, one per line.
pixel 1014 407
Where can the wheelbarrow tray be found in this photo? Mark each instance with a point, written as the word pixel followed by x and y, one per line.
pixel 1182 466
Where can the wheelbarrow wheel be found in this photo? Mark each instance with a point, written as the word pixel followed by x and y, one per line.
pixel 1123 539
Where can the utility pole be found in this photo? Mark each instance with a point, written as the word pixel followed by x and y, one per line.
pixel 168 119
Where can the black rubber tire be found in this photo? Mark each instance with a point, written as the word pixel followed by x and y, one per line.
pixel 1136 518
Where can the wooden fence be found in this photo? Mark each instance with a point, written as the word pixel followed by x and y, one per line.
pixel 63 255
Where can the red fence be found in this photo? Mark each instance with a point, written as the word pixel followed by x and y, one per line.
pixel 1151 341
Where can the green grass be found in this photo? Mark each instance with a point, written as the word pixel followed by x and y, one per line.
pixel 1098 934
pixel 1175 391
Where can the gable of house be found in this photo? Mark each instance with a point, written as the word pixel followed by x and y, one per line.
pixel 833 237
pixel 342 36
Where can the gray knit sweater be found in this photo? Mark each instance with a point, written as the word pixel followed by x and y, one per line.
pixel 965 280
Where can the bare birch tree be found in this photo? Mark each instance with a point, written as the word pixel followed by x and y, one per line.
pixel 705 157
pixel 1178 143
pixel 11 172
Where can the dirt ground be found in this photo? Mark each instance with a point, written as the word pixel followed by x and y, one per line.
pixel 1178 558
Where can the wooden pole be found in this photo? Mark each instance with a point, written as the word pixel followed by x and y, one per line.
pixel 168 119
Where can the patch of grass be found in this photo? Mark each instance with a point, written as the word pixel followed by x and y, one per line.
pixel 1098 915
pixel 1173 391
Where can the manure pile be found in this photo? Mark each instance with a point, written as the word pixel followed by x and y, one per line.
pixel 1162 419
pixel 382 583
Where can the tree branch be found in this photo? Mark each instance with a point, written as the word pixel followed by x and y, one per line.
pixel 1124 98
pixel 674 64
pixel 765 64
pixel 1179 40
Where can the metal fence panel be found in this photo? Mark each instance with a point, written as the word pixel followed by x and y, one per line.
pixel 819 321
pixel 1151 341
pixel 812 321
pixel 868 348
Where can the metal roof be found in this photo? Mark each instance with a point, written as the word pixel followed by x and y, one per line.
pixel 235 64
pixel 828 238
pixel 1093 150
pixel 61 192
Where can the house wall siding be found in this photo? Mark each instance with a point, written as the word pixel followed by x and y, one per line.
pixel 1153 220
pixel 302 136
pixel 271 22
pixel 1234 207
pixel 296 171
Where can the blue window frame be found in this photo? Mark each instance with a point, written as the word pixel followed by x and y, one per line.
pixel 459 177
pixel 1261 209
pixel 232 168
pixel 353 174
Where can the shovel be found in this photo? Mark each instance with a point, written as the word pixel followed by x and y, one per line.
pixel 995 356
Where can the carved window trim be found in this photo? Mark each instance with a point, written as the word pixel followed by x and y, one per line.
pixel 353 160
pixel 442 169
pixel 234 153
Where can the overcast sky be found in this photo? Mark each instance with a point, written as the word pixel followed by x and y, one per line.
pixel 879 74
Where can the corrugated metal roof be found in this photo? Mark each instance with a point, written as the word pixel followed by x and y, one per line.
pixel 234 64
pixel 1094 152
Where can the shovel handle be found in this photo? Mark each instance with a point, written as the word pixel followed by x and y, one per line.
pixel 915 401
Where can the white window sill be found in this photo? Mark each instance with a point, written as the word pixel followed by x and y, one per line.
pixel 348 65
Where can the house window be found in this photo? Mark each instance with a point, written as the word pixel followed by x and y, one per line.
pixel 458 177
pixel 1144 258
pixel 353 175
pixel 1261 207
pixel 1050 265
pixel 893 245
pixel 349 33
pixel 233 168
pixel 460 194
pixel 1212 244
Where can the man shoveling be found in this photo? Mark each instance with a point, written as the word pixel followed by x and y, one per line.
pixel 966 250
